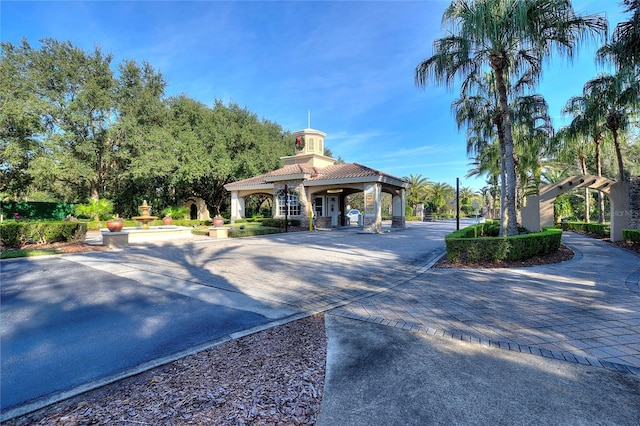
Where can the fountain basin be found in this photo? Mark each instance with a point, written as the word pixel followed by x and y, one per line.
pixel 145 220
pixel 131 235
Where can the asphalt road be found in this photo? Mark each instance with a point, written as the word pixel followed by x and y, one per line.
pixel 65 324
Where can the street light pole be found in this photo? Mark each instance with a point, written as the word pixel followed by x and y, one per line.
pixel 457 203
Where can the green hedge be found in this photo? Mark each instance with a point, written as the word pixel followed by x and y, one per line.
pixel 279 223
pixel 473 244
pixel 592 228
pixel 631 235
pixel 37 210
pixel 16 234
pixel 252 232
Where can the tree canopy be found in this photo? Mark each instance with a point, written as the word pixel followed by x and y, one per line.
pixel 74 127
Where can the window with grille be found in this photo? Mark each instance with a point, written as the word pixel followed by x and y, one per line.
pixel 294 205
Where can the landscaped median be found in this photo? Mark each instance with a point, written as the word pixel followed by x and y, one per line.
pixel 481 243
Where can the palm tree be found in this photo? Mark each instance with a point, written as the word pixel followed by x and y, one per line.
pixel 586 123
pixel 438 193
pixel 570 147
pixel 478 108
pixel 511 38
pixel 614 97
pixel 624 49
pixel 417 191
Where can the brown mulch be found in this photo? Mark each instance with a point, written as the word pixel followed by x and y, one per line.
pixel 274 377
pixel 71 247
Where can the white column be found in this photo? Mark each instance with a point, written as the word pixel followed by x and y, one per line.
pixel 398 210
pixel 373 207
pixel 237 206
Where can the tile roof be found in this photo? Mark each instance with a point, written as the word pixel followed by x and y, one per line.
pixel 334 172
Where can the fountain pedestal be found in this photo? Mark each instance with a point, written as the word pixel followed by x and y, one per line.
pixel 145 218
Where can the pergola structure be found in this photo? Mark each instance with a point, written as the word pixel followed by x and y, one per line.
pixel 312 186
pixel 538 209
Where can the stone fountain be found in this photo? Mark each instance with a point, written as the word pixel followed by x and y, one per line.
pixel 145 234
pixel 145 218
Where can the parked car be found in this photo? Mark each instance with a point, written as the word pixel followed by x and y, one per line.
pixel 353 215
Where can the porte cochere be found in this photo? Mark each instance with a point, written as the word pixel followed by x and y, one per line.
pixel 312 186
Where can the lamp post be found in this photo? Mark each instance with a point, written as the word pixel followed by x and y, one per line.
pixel 457 203
pixel 286 208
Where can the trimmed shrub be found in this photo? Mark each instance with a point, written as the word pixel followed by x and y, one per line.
pixel 35 210
pixel 471 244
pixel 251 232
pixel 592 228
pixel 17 234
pixel 279 223
pixel 631 235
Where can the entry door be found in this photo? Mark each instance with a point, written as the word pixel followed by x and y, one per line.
pixel 334 211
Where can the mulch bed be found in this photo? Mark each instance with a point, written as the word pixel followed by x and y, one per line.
pixel 562 254
pixel 274 377
pixel 67 247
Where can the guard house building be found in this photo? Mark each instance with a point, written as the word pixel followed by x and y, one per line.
pixel 316 188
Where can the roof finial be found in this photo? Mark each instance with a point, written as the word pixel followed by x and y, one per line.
pixel 308 119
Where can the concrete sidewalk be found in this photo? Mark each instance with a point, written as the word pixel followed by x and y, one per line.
pixel 556 344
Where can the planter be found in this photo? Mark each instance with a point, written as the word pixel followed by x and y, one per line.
pixel 167 220
pixel 218 221
pixel 115 226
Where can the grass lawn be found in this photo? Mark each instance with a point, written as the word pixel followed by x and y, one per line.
pixel 12 254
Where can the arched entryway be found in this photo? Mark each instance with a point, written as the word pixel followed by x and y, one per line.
pixel 538 209
pixel 197 209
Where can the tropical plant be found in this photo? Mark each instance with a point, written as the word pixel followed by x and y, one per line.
pixel 478 108
pixel 439 194
pixel 615 96
pixel 511 38
pixel 175 212
pixel 96 209
pixel 624 48
pixel 417 190
pixel 586 123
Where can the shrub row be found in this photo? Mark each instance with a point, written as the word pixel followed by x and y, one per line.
pixel 631 235
pixel 17 234
pixel 252 232
pixel 249 220
pixel 592 228
pixel 36 210
pixel 471 244
pixel 279 223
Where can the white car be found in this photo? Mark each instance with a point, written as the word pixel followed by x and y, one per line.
pixel 353 215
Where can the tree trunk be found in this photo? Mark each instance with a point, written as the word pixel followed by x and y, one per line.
pixel 587 211
pixel 616 143
pixel 497 64
pixel 599 173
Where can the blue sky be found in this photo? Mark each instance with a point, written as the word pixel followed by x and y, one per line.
pixel 350 63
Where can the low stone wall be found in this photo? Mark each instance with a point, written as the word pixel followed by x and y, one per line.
pixel 141 236
pixel 397 222
pixel 323 222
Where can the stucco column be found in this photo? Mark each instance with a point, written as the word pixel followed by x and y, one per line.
pixel 237 206
pixel 620 210
pixel 373 207
pixel 398 210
